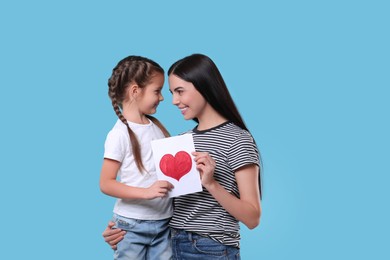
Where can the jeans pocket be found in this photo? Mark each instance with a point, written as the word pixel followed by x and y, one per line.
pixel 209 247
pixel 124 223
pixel 174 233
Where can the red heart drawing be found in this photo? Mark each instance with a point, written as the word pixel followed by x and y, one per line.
pixel 176 167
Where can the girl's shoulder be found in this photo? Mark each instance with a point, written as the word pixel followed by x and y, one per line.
pixel 119 130
pixel 119 126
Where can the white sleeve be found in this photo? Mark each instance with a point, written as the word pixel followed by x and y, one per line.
pixel 116 145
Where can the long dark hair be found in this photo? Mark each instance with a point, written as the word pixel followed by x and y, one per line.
pixel 139 70
pixel 202 72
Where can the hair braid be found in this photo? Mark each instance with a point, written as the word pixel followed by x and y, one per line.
pixel 132 69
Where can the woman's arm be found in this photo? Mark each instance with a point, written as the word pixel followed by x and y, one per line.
pixel 113 236
pixel 110 186
pixel 247 208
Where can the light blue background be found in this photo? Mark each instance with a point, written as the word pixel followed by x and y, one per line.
pixel 311 79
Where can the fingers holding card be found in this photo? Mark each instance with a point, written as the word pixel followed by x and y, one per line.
pixel 174 163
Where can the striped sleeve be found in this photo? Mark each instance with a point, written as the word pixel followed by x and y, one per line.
pixel 243 151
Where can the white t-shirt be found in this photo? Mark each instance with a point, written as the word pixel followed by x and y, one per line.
pixel 118 147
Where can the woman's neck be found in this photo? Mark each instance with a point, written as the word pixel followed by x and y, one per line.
pixel 209 120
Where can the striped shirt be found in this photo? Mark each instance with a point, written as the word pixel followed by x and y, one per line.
pixel 232 148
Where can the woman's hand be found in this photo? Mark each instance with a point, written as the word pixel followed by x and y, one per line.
pixel 113 236
pixel 205 164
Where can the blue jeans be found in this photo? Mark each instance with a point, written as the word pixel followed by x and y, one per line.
pixel 144 239
pixel 188 245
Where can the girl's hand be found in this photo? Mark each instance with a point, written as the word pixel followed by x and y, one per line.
pixel 158 189
pixel 205 164
pixel 113 236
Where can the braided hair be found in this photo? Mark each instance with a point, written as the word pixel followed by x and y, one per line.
pixel 139 70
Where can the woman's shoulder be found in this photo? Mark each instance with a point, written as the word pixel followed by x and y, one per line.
pixel 226 134
pixel 231 128
pixel 234 134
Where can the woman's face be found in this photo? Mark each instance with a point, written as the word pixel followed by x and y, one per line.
pixel 185 96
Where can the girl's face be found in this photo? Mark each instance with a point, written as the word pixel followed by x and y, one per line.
pixel 150 96
pixel 185 96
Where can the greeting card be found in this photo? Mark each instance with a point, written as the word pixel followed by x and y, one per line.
pixel 174 163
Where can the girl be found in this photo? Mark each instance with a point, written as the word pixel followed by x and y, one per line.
pixel 205 225
pixel 142 208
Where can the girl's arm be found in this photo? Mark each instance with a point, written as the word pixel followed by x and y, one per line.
pixel 247 208
pixel 110 186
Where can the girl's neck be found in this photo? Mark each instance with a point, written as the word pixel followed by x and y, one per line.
pixel 136 117
pixel 132 113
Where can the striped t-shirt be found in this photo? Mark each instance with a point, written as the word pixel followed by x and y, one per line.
pixel 232 148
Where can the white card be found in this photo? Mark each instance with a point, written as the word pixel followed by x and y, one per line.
pixel 174 163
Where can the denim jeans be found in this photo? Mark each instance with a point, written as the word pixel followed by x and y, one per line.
pixel 144 239
pixel 188 245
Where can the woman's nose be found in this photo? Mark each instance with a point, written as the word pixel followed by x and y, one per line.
pixel 175 100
